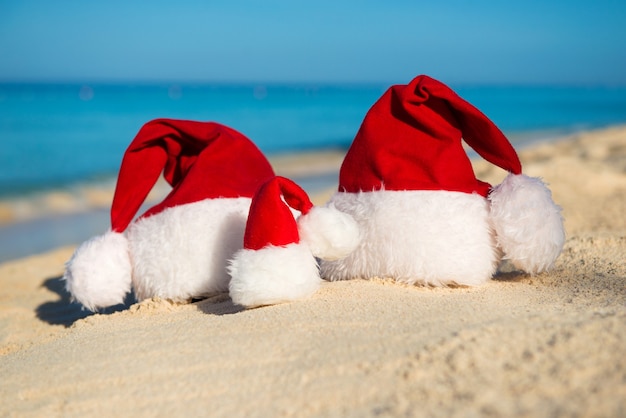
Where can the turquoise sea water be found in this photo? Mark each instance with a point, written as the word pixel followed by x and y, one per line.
pixel 57 135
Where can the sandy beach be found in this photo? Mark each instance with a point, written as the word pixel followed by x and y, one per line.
pixel 520 346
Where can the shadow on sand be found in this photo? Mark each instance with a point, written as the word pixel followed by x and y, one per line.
pixel 220 304
pixel 64 311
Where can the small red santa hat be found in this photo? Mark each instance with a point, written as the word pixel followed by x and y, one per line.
pixel 200 160
pixel 411 139
pixel 277 263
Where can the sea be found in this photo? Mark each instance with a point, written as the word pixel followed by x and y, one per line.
pixel 55 136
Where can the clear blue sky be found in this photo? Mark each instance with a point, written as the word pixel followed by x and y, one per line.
pixel 481 41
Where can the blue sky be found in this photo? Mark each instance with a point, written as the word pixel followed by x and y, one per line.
pixel 481 41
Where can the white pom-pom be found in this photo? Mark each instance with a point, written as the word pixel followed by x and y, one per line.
pixel 329 233
pixel 272 275
pixel 528 224
pixel 99 273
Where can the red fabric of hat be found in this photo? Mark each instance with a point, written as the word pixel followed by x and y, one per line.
pixel 200 160
pixel 411 140
pixel 270 221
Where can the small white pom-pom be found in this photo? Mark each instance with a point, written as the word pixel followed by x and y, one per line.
pixel 528 224
pixel 99 273
pixel 329 233
pixel 272 275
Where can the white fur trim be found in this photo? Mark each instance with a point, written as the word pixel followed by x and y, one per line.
pixel 273 275
pixel 528 225
pixel 99 273
pixel 183 251
pixel 330 234
pixel 426 237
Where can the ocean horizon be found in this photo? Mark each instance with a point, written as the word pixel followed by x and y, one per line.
pixel 56 135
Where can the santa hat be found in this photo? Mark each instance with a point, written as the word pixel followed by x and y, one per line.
pixel 411 140
pixel 277 263
pixel 200 160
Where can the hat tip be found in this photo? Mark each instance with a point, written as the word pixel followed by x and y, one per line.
pixel 329 233
pixel 99 273
pixel 528 224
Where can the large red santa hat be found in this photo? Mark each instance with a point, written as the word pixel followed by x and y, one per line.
pixel 200 160
pixel 277 262
pixel 411 141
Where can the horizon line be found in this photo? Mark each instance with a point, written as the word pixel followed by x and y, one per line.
pixel 288 83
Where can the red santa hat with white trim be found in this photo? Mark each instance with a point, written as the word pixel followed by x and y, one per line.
pixel 410 145
pixel 200 160
pixel 277 262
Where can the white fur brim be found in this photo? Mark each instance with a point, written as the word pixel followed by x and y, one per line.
pixel 273 275
pixel 417 237
pixel 528 224
pixel 99 273
pixel 182 252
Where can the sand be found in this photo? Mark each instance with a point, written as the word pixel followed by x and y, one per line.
pixel 548 345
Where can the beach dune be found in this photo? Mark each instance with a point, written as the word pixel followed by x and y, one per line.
pixel 547 345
